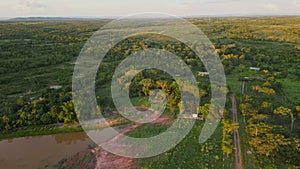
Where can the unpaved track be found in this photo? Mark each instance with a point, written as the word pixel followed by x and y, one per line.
pixel 107 160
pixel 236 139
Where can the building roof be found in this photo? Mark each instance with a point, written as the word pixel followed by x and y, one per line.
pixel 254 68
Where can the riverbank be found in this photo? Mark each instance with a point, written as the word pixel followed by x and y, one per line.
pixel 102 159
pixel 40 130
pixel 55 128
pixel 85 159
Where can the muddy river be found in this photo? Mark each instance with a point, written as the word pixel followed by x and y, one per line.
pixel 41 151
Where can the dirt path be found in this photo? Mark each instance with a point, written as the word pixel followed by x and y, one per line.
pixel 107 160
pixel 98 158
pixel 238 154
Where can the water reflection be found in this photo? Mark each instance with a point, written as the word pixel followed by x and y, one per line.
pixel 70 139
pixel 41 151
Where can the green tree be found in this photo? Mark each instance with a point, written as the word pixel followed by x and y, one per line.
pixel 204 110
pixel 163 84
pixel 266 90
pixel 54 111
pixel 266 107
pixel 174 96
pixel 147 84
pixel 283 111
pixel 228 129
pixel 6 121
pixel 46 118
pixel 67 114
pixel 257 117
pixel 245 107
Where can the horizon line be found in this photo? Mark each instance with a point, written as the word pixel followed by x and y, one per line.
pixel 185 16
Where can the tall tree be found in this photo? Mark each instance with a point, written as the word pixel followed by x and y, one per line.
pixel 245 107
pixel 6 120
pixel 54 111
pixel 68 113
pixel 147 84
pixel 228 128
pixel 283 111
pixel 204 110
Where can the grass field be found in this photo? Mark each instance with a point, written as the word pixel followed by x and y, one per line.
pixel 188 153
pixel 291 89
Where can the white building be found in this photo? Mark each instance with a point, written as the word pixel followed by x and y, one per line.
pixel 203 73
pixel 195 115
pixel 255 68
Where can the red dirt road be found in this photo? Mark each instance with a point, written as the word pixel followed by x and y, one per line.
pixel 236 139
pixel 107 160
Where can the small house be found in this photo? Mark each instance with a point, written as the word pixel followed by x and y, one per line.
pixel 255 68
pixel 203 73
pixel 195 115
pixel 55 87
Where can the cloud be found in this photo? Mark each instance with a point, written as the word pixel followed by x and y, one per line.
pixel 296 2
pixel 126 7
pixel 205 2
pixel 219 1
pixel 185 2
pixel 271 7
pixel 30 6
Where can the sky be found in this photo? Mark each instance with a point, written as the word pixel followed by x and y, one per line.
pixel 102 8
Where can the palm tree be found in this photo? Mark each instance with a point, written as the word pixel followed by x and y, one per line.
pixel 68 113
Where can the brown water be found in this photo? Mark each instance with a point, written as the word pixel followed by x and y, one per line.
pixel 41 151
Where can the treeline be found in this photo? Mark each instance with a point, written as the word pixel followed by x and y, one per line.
pixel 54 106
pixel 279 29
